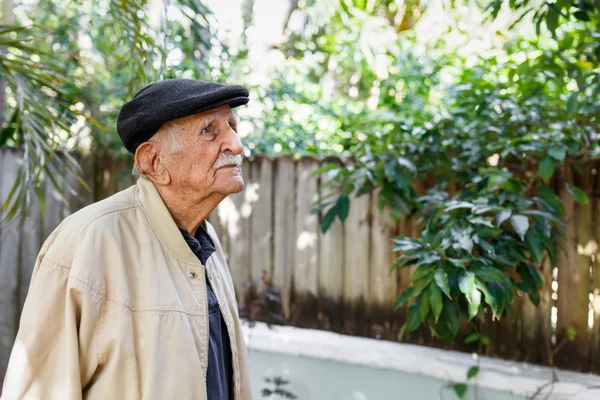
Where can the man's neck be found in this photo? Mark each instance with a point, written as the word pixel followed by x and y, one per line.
pixel 188 211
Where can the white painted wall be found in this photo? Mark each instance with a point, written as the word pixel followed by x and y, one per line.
pixel 327 366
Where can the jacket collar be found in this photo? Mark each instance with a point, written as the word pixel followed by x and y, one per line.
pixel 162 222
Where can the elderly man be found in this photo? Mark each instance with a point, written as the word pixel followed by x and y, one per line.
pixel 131 297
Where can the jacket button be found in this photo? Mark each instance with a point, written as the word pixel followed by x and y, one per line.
pixel 193 275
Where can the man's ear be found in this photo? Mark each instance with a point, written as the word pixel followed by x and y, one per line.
pixel 149 163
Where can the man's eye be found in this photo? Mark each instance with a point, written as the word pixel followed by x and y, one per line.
pixel 206 129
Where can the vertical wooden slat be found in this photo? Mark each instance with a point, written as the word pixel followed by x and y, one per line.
pixel 9 260
pixel 305 305
pixel 30 245
pixel 574 277
pixel 262 216
pixel 331 265
pixel 238 209
pixel 356 268
pixel 283 229
pixel 595 334
pixel 122 174
pixel 508 330
pixel 536 322
pixel 383 283
pixel 104 182
pixel 55 206
pixel 88 164
pixel 218 219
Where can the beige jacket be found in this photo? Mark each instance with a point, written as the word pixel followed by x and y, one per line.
pixel 117 310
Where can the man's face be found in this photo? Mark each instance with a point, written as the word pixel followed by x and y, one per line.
pixel 206 138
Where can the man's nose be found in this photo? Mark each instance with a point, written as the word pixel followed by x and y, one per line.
pixel 232 143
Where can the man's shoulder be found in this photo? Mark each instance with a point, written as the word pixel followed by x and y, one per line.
pixel 104 211
pixel 98 219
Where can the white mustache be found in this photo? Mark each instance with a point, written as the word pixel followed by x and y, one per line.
pixel 228 159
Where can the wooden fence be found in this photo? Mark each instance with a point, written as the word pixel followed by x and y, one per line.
pixel 339 281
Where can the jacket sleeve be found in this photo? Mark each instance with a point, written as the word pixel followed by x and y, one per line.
pixel 55 352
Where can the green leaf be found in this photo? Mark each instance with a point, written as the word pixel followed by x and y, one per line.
pixel 473 371
pixel 401 333
pixel 579 195
pixel 451 316
pixel 503 216
pixel 319 207
pixel 533 246
pixel 396 263
pixel 460 389
pixel 546 168
pixel 406 163
pixel 552 20
pixel 571 333
pixel 404 297
pixel 424 303
pixel 435 300
pixel 481 221
pixel 328 219
pixel 521 225
pixel 413 319
pixel 420 272
pixel 428 258
pixel 9 131
pixel 491 300
pixel 489 273
pixel 497 291
pixel 343 207
pixel 466 284
pixel 441 279
pixel 558 153
pixel 326 168
pixel 485 340
pixel 537 279
pixel 458 205
pixel 404 244
pixel 472 338
pixel 572 102
pixel 475 303
pixel 581 15
pixel 543 214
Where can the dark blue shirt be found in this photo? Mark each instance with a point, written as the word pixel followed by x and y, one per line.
pixel 219 375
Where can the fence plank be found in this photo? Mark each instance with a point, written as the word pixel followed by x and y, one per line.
pixel 356 269
pixel 55 206
pixel 104 182
pixel 82 197
pixel 305 304
pixel 283 229
pixel 262 216
pixel 9 261
pixel 331 265
pixel 595 334
pixel 238 210
pixel 536 322
pixel 383 284
pixel 574 277
pixel 30 245
pixel 121 171
pixel 218 219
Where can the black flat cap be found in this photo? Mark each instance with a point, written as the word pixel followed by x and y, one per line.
pixel 170 99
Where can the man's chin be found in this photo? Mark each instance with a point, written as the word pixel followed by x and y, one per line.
pixel 235 186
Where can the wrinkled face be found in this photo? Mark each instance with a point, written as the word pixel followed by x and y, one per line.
pixel 210 158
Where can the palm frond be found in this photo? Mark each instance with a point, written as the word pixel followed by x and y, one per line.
pixel 40 118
